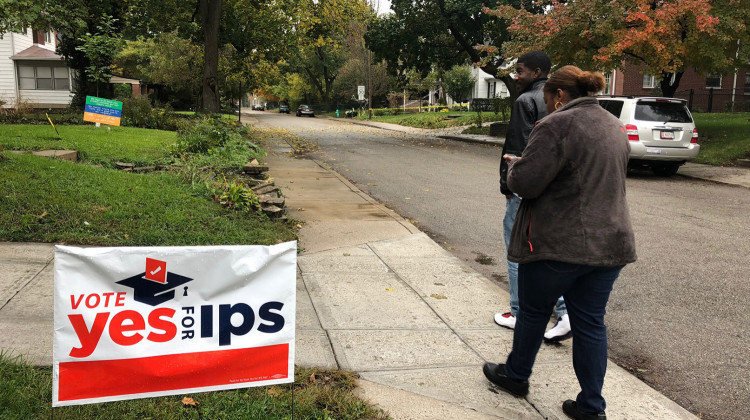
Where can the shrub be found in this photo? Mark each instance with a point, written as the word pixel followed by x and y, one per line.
pixel 123 90
pixel 236 196
pixel 24 113
pixel 138 112
pixel 210 135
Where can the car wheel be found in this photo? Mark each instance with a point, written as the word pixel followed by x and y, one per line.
pixel 665 169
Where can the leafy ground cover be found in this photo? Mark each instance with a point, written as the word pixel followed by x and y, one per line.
pixel 59 201
pixel 316 394
pixel 433 120
pixel 724 137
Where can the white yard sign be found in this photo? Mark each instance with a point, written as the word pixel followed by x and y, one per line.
pixel 152 321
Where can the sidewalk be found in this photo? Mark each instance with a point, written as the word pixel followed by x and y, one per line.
pixel 376 296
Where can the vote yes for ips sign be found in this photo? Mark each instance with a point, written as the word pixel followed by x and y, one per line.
pixel 151 321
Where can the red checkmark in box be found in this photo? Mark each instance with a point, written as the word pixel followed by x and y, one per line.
pixel 156 270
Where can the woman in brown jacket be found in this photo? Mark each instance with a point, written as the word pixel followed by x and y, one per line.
pixel 572 234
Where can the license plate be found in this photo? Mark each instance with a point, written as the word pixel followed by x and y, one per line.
pixel 653 151
pixel 667 135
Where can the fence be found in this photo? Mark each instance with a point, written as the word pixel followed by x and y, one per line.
pixel 712 100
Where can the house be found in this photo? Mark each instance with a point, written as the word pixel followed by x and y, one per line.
pixel 706 93
pixel 137 87
pixel 485 86
pixel 31 72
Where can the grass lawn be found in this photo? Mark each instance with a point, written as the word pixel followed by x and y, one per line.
pixel 59 201
pixel 318 394
pixel 434 119
pixel 103 145
pixel 724 137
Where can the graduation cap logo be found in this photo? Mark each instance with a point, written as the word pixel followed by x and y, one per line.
pixel 154 286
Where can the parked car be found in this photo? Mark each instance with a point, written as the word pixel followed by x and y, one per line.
pixel 259 107
pixel 284 108
pixel 305 110
pixel 661 131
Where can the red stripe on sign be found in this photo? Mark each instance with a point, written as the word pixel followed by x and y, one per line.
pixel 107 378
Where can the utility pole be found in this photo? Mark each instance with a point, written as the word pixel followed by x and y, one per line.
pixel 369 83
pixel 239 108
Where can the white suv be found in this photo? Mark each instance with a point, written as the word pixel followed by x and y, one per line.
pixel 661 131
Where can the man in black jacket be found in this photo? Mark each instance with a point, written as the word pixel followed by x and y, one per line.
pixel 531 74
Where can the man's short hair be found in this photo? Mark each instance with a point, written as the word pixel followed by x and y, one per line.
pixel 536 59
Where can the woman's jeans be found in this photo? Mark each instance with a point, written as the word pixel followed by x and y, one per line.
pixel 511 209
pixel 586 291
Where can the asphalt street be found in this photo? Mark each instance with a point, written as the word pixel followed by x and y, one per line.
pixel 677 317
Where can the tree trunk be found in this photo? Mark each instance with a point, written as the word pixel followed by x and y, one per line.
pixel 511 85
pixel 211 12
pixel 668 88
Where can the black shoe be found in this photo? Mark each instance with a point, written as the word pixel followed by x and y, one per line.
pixel 571 409
pixel 496 374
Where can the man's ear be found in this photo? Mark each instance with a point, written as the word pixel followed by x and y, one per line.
pixel 538 73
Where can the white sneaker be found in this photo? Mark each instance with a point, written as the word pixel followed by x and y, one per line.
pixel 506 320
pixel 561 330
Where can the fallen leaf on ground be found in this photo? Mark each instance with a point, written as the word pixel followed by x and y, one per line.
pixel 189 401
pixel 437 296
pixel 274 391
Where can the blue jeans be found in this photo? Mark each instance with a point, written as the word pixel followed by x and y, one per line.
pixel 586 290
pixel 511 209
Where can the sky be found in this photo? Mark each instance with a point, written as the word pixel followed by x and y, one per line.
pixel 383 6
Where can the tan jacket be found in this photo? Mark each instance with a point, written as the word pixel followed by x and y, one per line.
pixel 572 181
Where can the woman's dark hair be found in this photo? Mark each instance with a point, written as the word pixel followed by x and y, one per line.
pixel 575 82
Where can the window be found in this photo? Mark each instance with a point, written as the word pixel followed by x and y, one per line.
pixel 649 81
pixel 43 77
pixel 747 82
pixel 47 37
pixel 713 81
pixel 607 84
pixel 614 107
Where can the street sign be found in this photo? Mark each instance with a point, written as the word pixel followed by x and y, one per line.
pixel 361 92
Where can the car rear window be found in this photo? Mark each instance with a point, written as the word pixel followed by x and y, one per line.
pixel 614 107
pixel 662 111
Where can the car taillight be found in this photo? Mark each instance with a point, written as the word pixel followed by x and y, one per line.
pixel 632 132
pixel 695 136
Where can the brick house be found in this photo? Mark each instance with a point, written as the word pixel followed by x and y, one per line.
pixel 706 93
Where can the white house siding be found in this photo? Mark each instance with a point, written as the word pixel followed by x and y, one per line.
pixel 7 72
pixel 47 98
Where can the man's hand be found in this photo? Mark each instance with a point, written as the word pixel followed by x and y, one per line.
pixel 510 158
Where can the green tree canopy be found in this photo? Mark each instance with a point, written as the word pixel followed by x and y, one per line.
pixel 458 83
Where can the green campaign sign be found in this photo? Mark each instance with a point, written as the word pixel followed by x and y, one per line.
pixel 106 103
